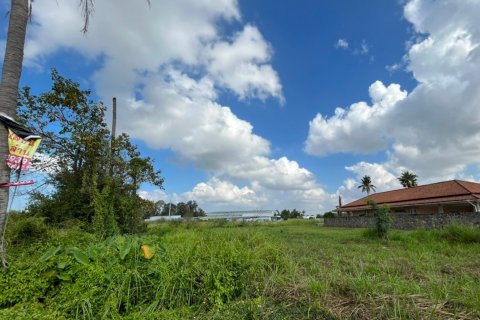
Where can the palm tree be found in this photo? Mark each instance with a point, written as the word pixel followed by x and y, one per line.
pixel 11 73
pixel 367 185
pixel 408 179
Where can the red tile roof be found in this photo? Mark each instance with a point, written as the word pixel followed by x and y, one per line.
pixel 447 191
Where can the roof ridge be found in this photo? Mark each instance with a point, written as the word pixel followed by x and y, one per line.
pixel 423 192
pixel 420 186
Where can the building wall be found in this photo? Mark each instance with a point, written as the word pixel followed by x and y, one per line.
pixel 432 209
pixel 407 221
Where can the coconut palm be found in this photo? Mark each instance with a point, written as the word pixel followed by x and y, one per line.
pixel 11 72
pixel 408 179
pixel 367 185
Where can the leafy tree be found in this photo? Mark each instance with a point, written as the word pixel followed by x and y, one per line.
pixel 189 209
pixel 169 209
pixel 382 219
pixel 329 214
pixel 104 182
pixel 367 185
pixel 148 208
pixel 159 205
pixel 408 179
pixel 11 73
pixel 294 214
pixel 285 214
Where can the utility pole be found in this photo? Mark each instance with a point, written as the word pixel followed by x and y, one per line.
pixel 114 128
pixel 114 118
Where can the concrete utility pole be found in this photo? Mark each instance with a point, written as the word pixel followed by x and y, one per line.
pixel 114 118
pixel 114 127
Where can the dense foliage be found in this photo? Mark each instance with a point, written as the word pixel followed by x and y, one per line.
pixel 286 214
pixel 215 270
pixel 382 218
pixel 329 214
pixel 407 179
pixel 95 176
pixel 189 209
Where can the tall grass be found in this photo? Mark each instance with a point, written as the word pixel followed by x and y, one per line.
pixel 216 270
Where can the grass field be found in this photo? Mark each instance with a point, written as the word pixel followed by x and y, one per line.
pixel 292 269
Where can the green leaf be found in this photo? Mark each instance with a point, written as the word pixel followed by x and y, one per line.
pixel 124 249
pixel 50 253
pixel 79 255
pixel 64 276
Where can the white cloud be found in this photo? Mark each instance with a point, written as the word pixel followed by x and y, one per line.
pixel 359 129
pixel 434 130
pixel 341 43
pixel 218 194
pixel 178 113
pixel 242 65
pixel 274 174
pixel 166 65
pixel 133 40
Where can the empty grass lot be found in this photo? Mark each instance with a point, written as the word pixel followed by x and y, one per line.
pixel 292 269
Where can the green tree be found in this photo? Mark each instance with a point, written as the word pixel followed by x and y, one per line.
pixel 169 209
pixel 190 209
pixel 11 73
pixel 104 181
pixel 329 214
pixel 367 185
pixel 285 214
pixel 293 214
pixel 296 214
pixel 408 179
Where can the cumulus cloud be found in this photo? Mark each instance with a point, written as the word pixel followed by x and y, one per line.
pixel 167 65
pixel 179 113
pixel 275 174
pixel 224 194
pixel 242 65
pixel 433 130
pixel 358 129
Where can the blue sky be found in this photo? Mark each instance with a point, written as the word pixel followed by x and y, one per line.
pixel 276 104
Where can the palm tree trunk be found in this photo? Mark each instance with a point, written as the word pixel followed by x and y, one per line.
pixel 11 72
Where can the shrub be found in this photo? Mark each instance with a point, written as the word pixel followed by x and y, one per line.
pixel 23 229
pixel 329 214
pixel 382 219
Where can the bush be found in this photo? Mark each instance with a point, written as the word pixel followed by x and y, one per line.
pixel 23 228
pixel 382 219
pixel 329 214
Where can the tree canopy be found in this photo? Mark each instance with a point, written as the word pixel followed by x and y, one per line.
pixel 95 176
pixel 189 209
pixel 367 185
pixel 408 179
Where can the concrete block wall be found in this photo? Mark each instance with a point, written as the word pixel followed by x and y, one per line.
pixel 408 221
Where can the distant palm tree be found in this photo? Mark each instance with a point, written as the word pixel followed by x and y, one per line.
pixel 408 179
pixel 367 185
